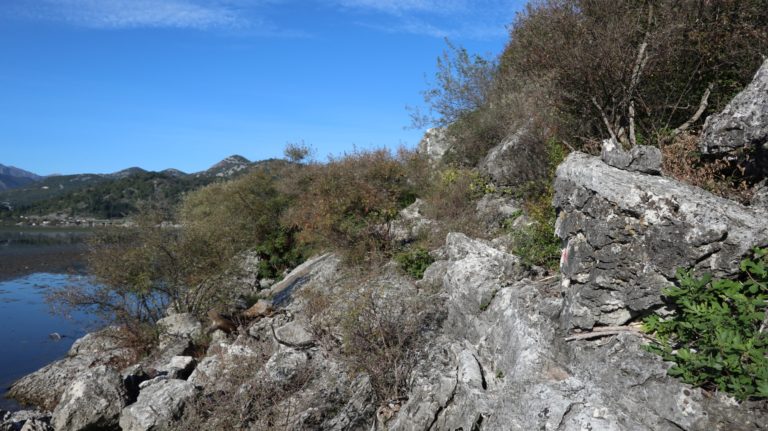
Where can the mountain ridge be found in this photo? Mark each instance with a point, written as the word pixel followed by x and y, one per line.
pixel 112 195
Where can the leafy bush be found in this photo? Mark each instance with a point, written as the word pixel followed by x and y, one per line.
pixel 451 197
pixel 414 261
pixel 144 269
pixel 297 151
pixel 625 67
pixel 350 202
pixel 717 337
pixel 137 277
pixel 224 219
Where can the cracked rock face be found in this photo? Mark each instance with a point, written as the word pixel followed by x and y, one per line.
pixel 744 121
pixel 626 234
pixel 509 368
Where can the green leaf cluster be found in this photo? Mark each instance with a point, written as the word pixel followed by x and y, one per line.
pixel 717 337
pixel 414 261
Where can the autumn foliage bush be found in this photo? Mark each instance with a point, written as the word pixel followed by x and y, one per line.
pixel 349 203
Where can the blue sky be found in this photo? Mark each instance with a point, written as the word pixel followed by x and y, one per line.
pixel 101 85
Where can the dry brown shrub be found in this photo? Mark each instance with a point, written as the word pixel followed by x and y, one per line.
pixel 245 401
pixel 451 200
pixel 683 161
pixel 376 326
pixel 350 202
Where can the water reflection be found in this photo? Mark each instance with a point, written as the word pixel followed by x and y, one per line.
pixel 29 250
pixel 22 237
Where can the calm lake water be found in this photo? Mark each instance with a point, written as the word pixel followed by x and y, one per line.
pixel 32 263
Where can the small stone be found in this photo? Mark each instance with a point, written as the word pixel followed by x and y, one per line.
pixel 640 158
pixel 261 308
pixel 180 367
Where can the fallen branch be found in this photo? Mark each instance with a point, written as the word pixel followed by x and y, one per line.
pixel 607 331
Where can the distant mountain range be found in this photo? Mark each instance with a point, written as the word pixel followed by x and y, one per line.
pixel 12 177
pixel 114 195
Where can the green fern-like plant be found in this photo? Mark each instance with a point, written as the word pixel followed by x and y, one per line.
pixel 717 337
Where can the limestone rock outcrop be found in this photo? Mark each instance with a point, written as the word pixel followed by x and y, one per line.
pixel 625 234
pixel 158 406
pixel 507 366
pixel 743 124
pixel 434 144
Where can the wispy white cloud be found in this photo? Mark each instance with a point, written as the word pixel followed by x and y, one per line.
pixel 473 19
pixel 115 14
pixel 407 6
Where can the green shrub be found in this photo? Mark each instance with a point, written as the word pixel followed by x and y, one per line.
pixel 414 261
pixel 225 219
pixel 537 243
pixel 717 336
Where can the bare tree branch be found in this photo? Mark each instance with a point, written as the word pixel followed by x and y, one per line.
pixel 605 119
pixel 702 107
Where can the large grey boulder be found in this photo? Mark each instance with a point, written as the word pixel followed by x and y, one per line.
pixel 158 406
pixel 178 326
pixel 743 124
pixel 514 161
pixel 45 386
pixel 626 234
pixel 94 400
pixel 434 144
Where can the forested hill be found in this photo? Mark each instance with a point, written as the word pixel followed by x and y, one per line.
pixel 114 195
